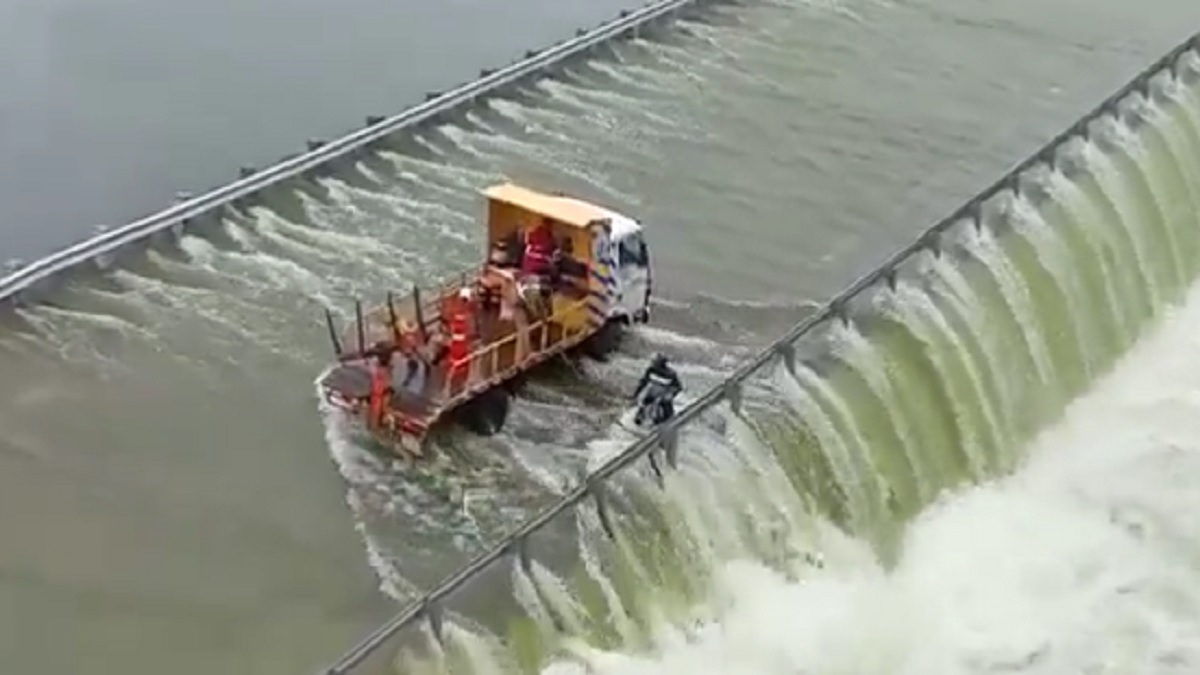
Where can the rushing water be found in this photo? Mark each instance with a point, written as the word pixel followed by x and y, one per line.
pixel 786 542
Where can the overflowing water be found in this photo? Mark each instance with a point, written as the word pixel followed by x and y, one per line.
pixel 1083 561
pixel 885 503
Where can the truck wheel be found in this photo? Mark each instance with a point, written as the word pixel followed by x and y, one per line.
pixel 606 341
pixel 485 414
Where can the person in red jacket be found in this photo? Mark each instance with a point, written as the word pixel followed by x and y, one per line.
pixel 538 257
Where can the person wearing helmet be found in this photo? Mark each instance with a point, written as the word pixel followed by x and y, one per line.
pixel 660 383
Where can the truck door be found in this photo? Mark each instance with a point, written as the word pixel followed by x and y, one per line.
pixel 633 263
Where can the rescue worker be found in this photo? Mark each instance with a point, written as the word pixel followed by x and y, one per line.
pixel 660 382
pixel 460 345
pixel 538 256
pixel 380 374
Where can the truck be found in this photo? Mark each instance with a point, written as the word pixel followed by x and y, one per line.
pixel 454 349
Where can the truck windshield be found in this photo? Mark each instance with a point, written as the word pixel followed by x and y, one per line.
pixel 633 251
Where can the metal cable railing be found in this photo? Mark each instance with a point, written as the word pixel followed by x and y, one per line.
pixel 319 153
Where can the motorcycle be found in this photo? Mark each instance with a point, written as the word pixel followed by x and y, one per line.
pixel 653 408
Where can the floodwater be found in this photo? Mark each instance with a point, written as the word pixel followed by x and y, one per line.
pixel 171 497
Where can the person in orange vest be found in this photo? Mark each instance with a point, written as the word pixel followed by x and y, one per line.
pixel 379 371
pixel 460 343
pixel 538 256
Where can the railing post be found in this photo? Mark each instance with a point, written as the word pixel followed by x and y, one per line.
pixel 932 242
pixel 1049 157
pixel 433 613
pixel 521 549
pixel 1013 184
pixel 1142 84
pixel 889 277
pixel 596 488
pixel 360 328
pixel 523 558
pixel 838 309
pixel 975 213
pixel 733 394
pixel 658 474
pixel 669 440
pixel 1083 129
pixel 787 355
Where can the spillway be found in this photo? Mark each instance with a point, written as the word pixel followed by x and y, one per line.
pixel 808 518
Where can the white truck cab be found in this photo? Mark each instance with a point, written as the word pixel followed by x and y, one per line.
pixel 631 269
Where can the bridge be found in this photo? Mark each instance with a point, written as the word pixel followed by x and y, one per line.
pixel 429 612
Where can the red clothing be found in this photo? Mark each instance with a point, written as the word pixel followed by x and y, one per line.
pixel 459 353
pixel 379 378
pixel 539 248
pixel 460 347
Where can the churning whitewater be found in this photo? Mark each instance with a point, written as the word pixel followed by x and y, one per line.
pixel 922 488
pixel 1080 562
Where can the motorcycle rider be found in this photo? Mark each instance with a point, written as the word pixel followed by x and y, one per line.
pixel 659 383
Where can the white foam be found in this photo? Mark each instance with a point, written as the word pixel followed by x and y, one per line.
pixel 364 473
pixel 1083 561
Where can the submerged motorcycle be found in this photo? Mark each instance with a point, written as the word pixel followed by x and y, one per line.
pixel 656 405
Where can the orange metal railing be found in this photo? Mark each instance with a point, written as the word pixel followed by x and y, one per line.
pixel 432 298
pixel 486 363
